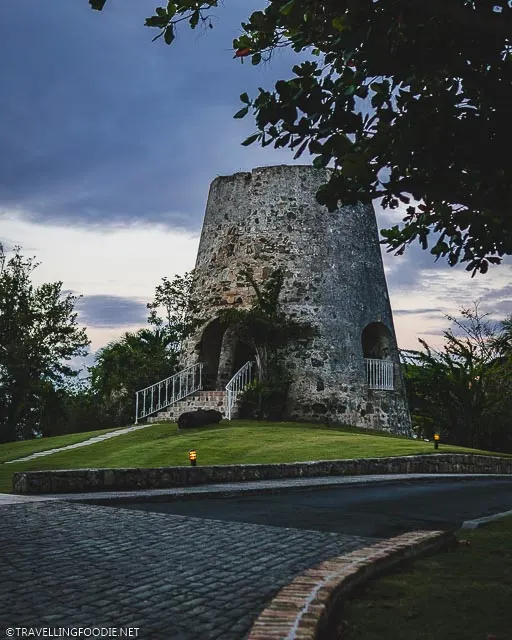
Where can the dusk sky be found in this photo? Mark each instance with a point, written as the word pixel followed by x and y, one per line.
pixel 109 144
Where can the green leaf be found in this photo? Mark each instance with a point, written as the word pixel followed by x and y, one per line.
pixel 256 59
pixel 169 34
pixel 250 140
pixel 315 147
pixel 156 21
pixel 258 20
pixel 339 23
pixel 243 42
pixel 244 98
pixel 287 8
pixel 362 92
pixel 242 113
pixel 300 150
pixel 194 20
pixel 97 5
pixel 320 162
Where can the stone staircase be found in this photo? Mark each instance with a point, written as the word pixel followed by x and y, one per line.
pixel 198 400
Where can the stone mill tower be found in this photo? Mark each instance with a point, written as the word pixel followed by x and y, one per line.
pixel 334 279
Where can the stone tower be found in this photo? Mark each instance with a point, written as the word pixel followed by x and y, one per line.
pixel 334 279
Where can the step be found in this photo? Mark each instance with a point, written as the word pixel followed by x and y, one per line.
pixel 199 400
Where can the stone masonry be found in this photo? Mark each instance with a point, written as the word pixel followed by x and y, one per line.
pixel 334 279
pixel 83 480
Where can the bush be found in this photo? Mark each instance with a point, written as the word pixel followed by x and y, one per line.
pixel 265 400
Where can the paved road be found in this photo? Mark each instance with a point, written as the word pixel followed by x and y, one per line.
pixel 175 577
pixel 369 511
pixel 181 577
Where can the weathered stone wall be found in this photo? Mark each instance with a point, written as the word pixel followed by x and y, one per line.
pixel 334 279
pixel 81 480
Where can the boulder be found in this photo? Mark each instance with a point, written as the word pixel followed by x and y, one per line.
pixel 199 418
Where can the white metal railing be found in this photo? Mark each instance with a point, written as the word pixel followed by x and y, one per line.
pixel 236 385
pixel 168 391
pixel 379 374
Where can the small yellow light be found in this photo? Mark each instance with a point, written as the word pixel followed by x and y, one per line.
pixel 437 436
pixel 192 456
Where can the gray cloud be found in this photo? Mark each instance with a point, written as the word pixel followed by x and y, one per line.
pixel 497 302
pixel 408 270
pixel 412 312
pixel 105 311
pixel 500 308
pixel 504 292
pixel 101 127
pixel 433 332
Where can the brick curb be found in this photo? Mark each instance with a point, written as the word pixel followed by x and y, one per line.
pixel 302 609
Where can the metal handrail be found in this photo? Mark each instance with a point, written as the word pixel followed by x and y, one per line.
pixel 379 374
pixel 236 385
pixel 180 385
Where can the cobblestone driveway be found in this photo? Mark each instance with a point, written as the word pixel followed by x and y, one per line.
pixel 175 577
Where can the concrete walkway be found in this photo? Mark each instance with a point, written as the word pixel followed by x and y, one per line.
pixel 84 443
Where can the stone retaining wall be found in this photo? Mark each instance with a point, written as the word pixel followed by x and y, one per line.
pixel 86 480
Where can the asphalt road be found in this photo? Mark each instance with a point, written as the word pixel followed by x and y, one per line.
pixel 369 511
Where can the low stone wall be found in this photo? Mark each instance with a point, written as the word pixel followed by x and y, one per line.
pixel 86 480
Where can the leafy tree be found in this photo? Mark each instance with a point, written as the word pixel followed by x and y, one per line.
pixel 38 337
pixel 140 359
pixel 127 365
pixel 174 298
pixel 268 332
pixel 464 390
pixel 408 100
pixel 71 408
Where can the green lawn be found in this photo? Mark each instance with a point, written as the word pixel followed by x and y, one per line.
pixel 461 595
pixel 236 442
pixel 15 450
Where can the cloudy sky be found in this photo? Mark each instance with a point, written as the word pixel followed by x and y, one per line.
pixel 109 144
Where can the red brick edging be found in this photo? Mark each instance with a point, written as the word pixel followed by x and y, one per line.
pixel 301 610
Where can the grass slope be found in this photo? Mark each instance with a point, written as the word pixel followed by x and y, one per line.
pixel 461 595
pixel 236 442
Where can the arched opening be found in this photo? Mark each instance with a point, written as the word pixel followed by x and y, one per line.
pixel 209 351
pixel 233 355
pixel 243 353
pixel 376 341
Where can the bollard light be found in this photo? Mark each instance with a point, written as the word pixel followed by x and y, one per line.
pixel 437 437
pixel 192 456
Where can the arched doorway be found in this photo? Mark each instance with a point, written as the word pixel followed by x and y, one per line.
pixel 377 344
pixel 209 351
pixel 376 341
pixel 243 353
pixel 233 355
pixel 223 354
